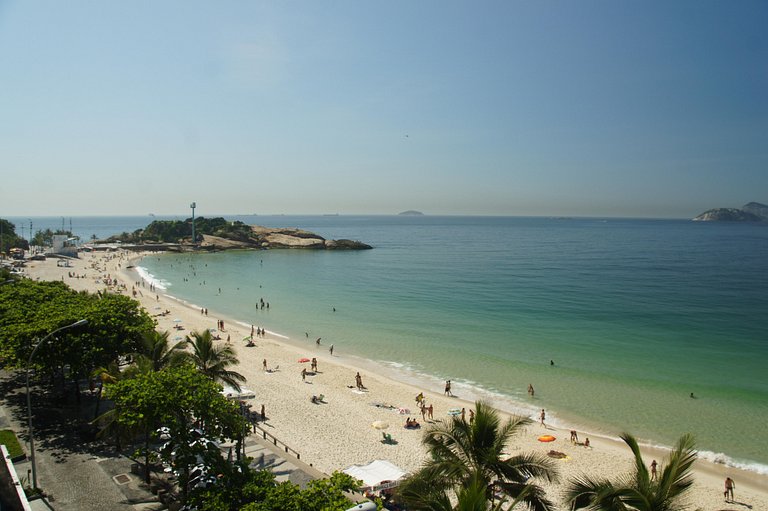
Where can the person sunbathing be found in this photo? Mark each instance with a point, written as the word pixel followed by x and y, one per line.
pixel 411 423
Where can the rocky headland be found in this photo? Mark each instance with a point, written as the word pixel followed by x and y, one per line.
pixel 752 212
pixel 220 234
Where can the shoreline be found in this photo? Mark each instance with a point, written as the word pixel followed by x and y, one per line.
pixel 327 440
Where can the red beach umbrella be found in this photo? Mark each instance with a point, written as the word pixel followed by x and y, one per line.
pixel 303 359
pixel 546 438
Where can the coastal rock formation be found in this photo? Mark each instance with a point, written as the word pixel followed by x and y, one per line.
pixel 752 212
pixel 411 212
pixel 219 234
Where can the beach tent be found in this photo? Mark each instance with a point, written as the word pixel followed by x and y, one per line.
pixel 375 472
pixel 244 393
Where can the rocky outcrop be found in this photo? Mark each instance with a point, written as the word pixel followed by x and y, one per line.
pixel 221 234
pixel 411 212
pixel 727 215
pixel 267 237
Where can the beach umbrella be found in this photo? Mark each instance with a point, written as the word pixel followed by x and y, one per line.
pixel 303 359
pixel 546 438
pixel 177 320
pixel 454 411
pixel 379 425
pixel 177 338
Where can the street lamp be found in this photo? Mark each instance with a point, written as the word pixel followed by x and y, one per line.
pixel 29 400
pixel 193 206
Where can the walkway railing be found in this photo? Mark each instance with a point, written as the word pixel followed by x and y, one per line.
pixel 276 442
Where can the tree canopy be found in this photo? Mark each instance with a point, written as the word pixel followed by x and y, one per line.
pixel 185 402
pixel 30 310
pixel 8 237
pixel 172 231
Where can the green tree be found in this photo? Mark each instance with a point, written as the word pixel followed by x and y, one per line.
pixel 213 360
pixel 29 310
pixel 636 491
pixel 8 237
pixel 466 457
pixel 246 489
pixel 182 400
pixel 45 238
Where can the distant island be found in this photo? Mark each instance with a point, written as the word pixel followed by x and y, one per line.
pixel 221 234
pixel 752 212
pixel 411 212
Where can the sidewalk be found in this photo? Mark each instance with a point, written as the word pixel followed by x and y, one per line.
pixel 75 474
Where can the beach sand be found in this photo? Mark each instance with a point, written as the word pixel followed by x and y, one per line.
pixel 338 433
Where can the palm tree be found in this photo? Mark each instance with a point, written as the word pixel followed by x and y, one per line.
pixel 466 458
pixel 213 360
pixel 157 350
pixel 109 374
pixel 636 491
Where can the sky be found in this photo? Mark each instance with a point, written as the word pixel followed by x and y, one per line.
pixel 535 108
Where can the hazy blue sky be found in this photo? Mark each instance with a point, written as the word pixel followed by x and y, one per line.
pixel 599 108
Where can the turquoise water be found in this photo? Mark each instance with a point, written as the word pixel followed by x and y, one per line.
pixel 636 314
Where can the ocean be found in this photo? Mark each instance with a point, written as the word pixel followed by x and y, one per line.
pixel 636 315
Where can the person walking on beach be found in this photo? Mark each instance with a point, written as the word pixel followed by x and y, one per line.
pixel 729 486
pixel 330 350
pixel 543 416
pixel 304 374
pixel 654 465
pixel 448 388
pixel 264 364
pixel 430 411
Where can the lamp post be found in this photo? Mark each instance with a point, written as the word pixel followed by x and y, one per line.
pixel 193 206
pixel 29 400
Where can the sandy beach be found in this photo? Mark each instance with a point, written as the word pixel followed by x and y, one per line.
pixel 337 433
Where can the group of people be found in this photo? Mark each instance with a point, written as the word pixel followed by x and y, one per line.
pixel 411 423
pixel 421 402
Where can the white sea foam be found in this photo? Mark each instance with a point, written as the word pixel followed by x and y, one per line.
pixel 724 459
pixel 151 279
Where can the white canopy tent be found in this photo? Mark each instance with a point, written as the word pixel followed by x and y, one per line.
pixel 231 393
pixel 375 472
